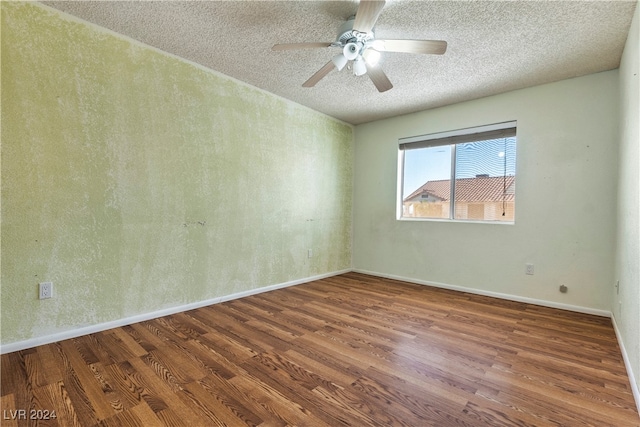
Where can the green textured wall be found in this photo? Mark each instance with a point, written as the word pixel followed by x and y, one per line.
pixel 136 181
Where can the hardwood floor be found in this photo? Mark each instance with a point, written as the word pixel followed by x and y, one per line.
pixel 348 350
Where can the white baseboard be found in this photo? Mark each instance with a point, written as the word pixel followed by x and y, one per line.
pixel 77 332
pixel 551 304
pixel 627 364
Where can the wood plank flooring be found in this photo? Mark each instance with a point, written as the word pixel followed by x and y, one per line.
pixel 348 350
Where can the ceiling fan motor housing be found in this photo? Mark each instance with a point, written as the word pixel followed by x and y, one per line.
pixel 345 32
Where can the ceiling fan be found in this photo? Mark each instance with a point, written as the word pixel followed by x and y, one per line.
pixel 357 40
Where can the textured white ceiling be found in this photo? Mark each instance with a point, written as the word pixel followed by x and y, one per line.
pixel 493 46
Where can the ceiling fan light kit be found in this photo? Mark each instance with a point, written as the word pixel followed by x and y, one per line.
pixel 352 50
pixel 359 66
pixel 371 56
pixel 359 45
pixel 339 61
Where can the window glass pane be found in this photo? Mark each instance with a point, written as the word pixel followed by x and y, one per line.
pixel 426 182
pixel 485 180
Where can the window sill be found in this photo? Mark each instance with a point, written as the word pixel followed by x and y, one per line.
pixel 456 221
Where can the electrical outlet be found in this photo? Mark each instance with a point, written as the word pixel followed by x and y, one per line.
pixel 309 253
pixel 528 269
pixel 45 290
pixel 618 287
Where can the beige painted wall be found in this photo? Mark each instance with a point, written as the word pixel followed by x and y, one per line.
pixel 136 181
pixel 565 198
pixel 626 302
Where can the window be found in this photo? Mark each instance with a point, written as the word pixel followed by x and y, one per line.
pixel 468 174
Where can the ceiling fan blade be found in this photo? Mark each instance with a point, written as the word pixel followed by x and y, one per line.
pixel 367 15
pixel 436 47
pixel 291 46
pixel 379 78
pixel 319 74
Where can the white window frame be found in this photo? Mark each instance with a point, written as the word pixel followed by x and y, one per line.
pixel 451 138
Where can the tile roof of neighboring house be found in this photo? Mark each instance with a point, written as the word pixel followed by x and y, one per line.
pixel 478 189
